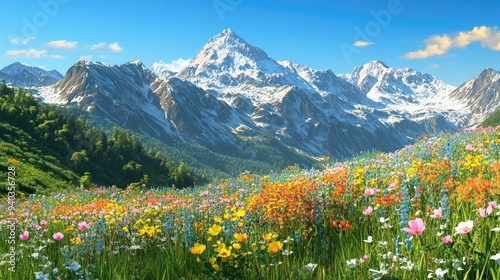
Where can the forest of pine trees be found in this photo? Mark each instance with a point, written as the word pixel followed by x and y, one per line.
pixel 67 150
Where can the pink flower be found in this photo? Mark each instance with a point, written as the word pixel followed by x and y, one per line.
pixel 438 213
pixel 83 226
pixel 464 227
pixel 469 148
pixel 370 192
pixel 368 211
pixel 485 212
pixel 447 240
pixel 392 186
pixel 365 257
pixel 58 236
pixel 25 214
pixel 493 204
pixel 417 226
pixel 43 223
pixel 24 236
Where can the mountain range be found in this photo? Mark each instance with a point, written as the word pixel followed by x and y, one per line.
pixel 236 100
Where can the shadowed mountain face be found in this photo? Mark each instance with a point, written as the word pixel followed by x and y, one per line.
pixel 235 99
pixel 27 76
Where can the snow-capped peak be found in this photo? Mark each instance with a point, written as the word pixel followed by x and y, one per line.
pixel 229 61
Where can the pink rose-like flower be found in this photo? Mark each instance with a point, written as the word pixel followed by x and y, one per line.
pixel 43 223
pixel 470 148
pixel 370 192
pixel 417 226
pixel 464 227
pixel 485 212
pixel 447 239
pixel 58 236
pixel 24 236
pixel 493 204
pixel 83 226
pixel 438 213
pixel 368 211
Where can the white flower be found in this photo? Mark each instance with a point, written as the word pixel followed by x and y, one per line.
pixel 312 266
pixel 351 263
pixel 496 229
pixel 369 239
pixel 287 253
pixel 378 274
pixel 496 258
pixel 383 220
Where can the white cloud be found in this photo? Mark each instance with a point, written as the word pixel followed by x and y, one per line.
pixel 17 41
pixel 113 47
pixel 62 44
pixel 29 53
pixel 489 37
pixel 362 44
pixel 174 65
pixel 56 56
pixel 86 57
pixel 434 66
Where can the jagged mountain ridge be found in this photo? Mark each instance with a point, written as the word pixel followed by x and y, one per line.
pixel 233 97
pixel 28 76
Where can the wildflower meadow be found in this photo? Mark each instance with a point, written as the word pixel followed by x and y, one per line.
pixel 428 211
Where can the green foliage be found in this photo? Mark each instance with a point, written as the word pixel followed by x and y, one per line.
pixel 492 120
pixel 52 149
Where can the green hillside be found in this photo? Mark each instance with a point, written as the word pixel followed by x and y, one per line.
pixel 492 120
pixel 53 150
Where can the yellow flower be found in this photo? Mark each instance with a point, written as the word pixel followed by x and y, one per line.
pixel 212 260
pixel 275 247
pixel 224 253
pixel 125 229
pixel 240 213
pixel 218 219
pixel 268 236
pixel 198 248
pixel 216 267
pixel 237 246
pixel 69 229
pixel 215 230
pixel 240 237
pixel 76 240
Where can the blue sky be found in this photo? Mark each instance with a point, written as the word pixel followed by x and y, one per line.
pixel 453 40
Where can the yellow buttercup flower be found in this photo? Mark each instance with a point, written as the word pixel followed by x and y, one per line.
pixel 218 219
pixel 268 236
pixel 215 230
pixel 275 247
pixel 224 253
pixel 240 237
pixel 240 213
pixel 198 248
pixel 237 246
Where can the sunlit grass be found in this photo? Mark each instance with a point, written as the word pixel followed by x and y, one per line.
pixel 345 222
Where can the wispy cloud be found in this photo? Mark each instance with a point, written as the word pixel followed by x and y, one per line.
pixel 86 57
pixel 27 53
pixel 113 47
pixel 62 44
pixel 56 56
pixel 17 41
pixel 489 37
pixel 362 44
